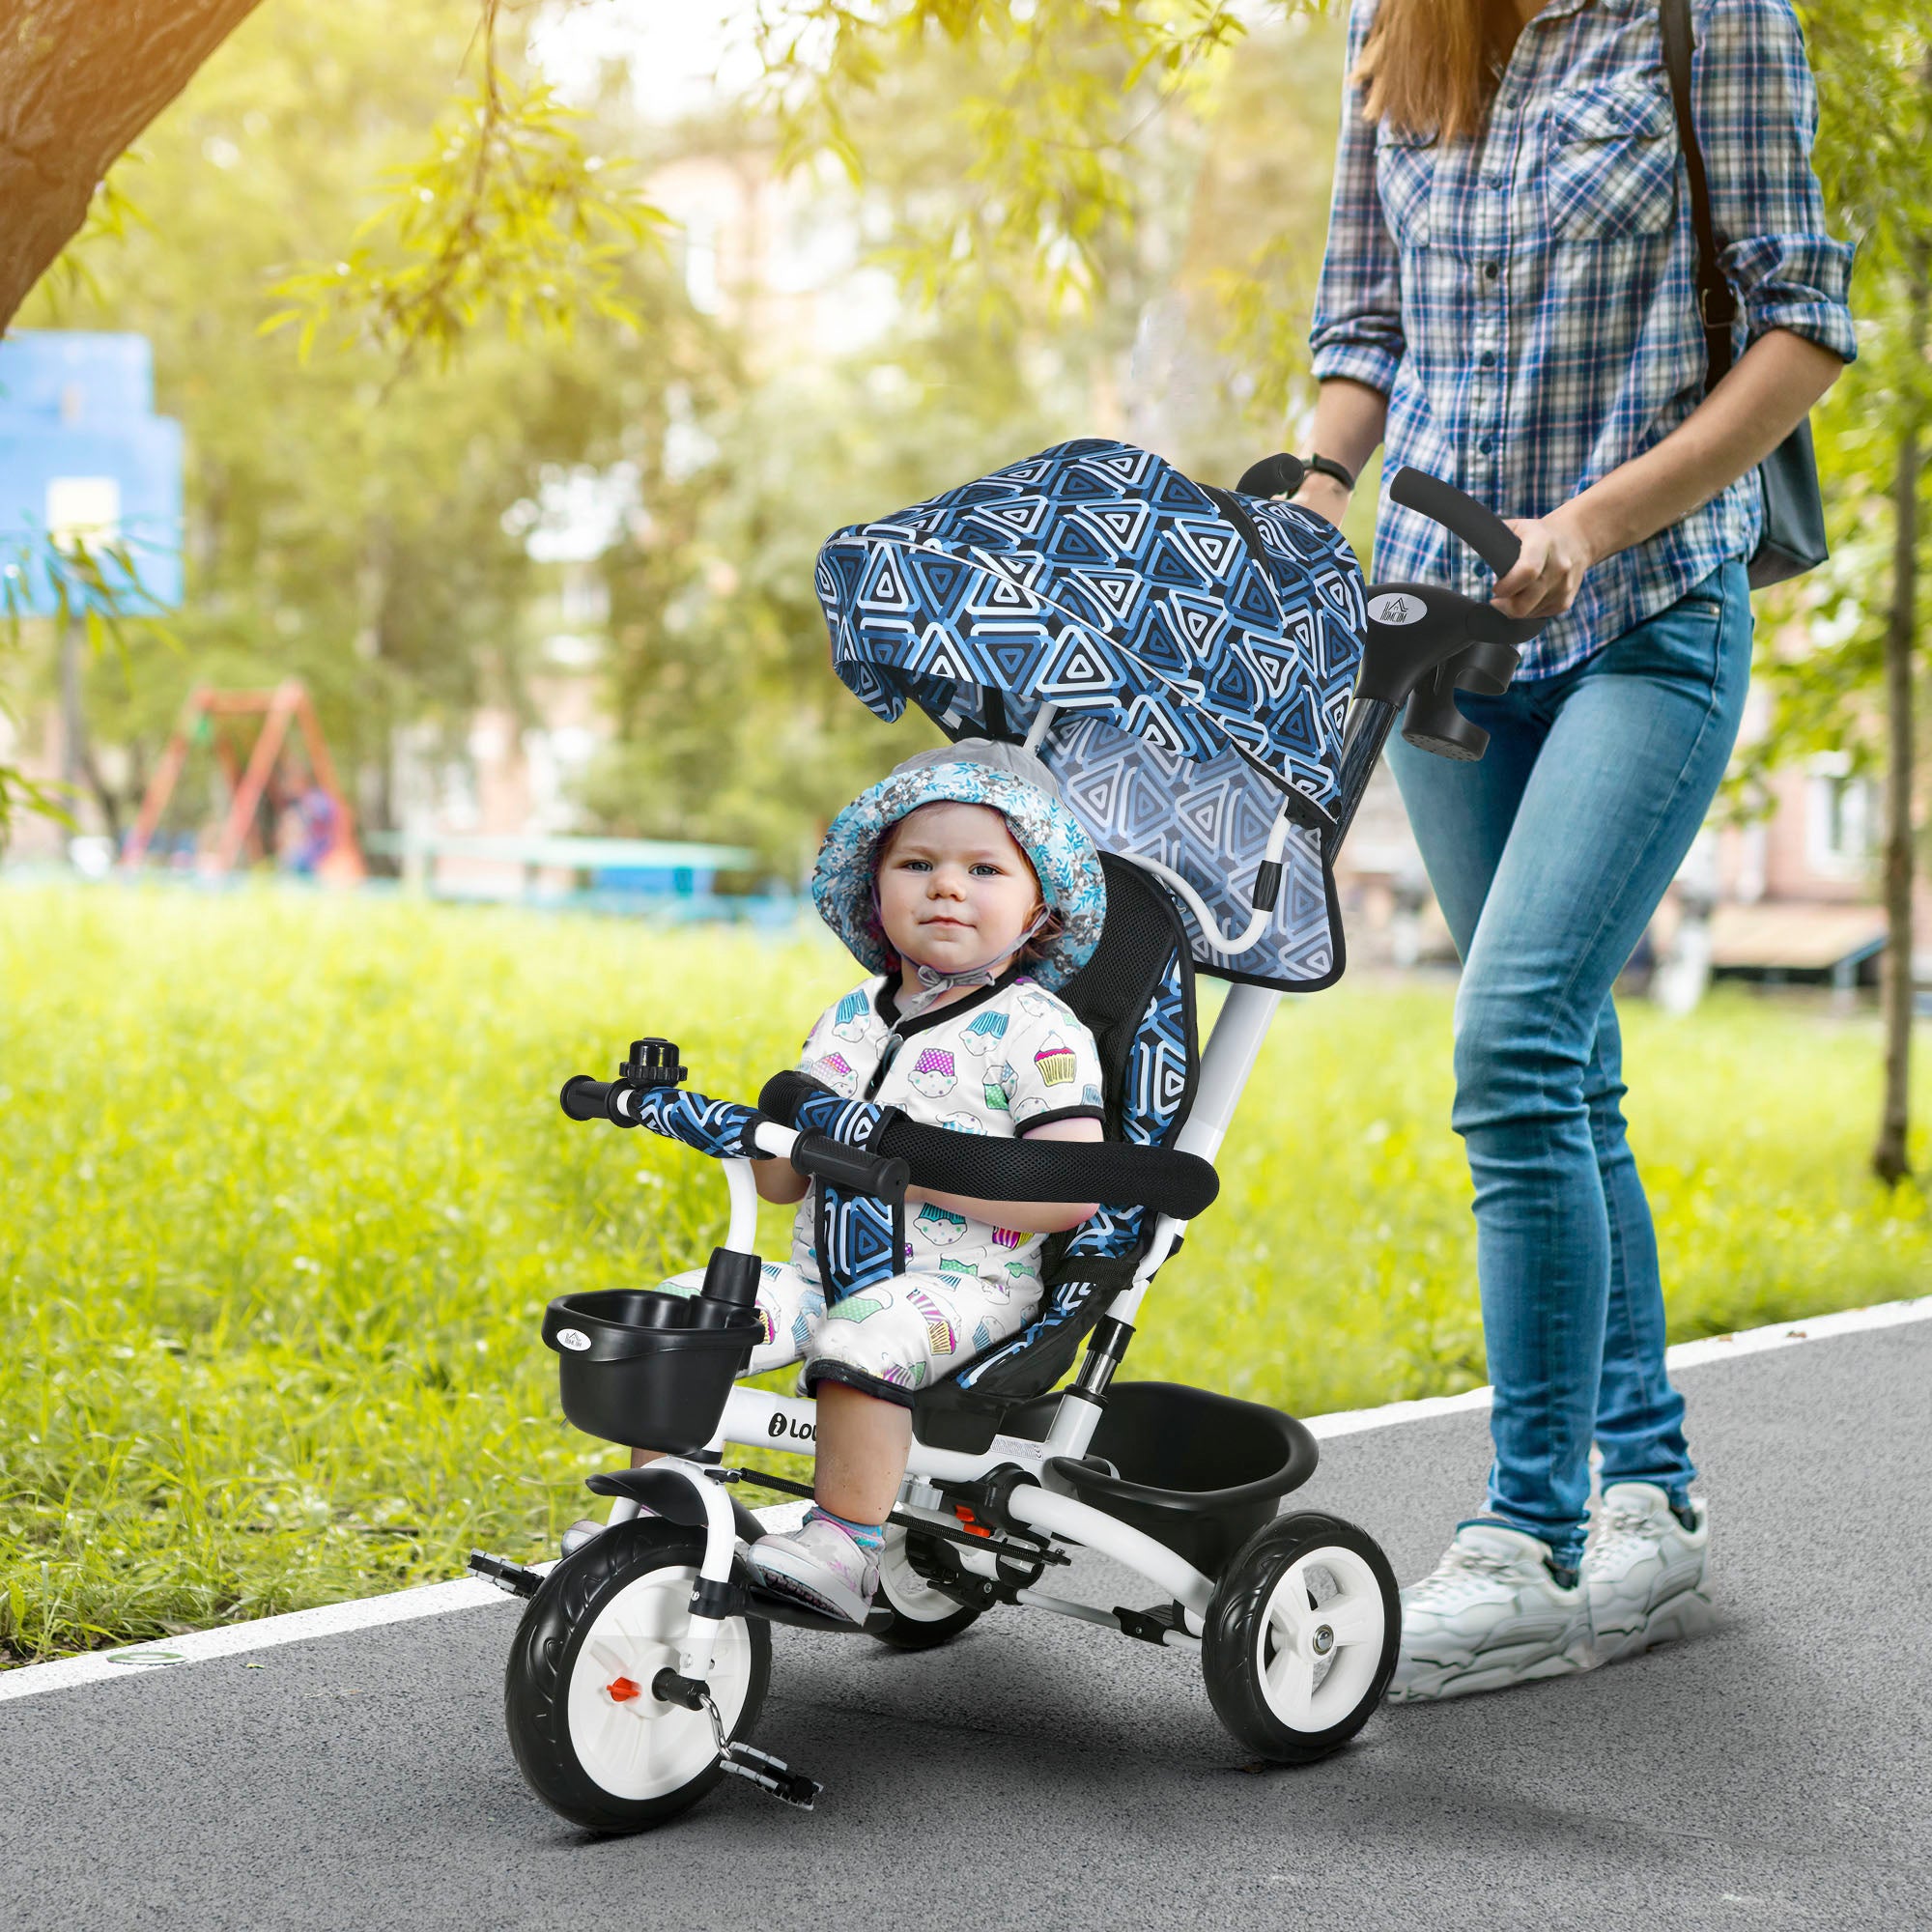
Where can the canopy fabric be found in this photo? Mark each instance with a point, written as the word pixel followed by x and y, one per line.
pixel 1200 647
pixel 1098 577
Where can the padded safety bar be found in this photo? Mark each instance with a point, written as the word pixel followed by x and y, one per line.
pixel 1180 1184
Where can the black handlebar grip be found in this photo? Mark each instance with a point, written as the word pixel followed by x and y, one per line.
pixel 883 1177
pixel 1483 531
pixel 586 1099
pixel 1279 476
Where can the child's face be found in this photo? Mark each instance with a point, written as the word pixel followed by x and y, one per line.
pixel 956 891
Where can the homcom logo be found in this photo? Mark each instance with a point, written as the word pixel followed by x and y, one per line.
pixel 1396 609
pixel 790 1427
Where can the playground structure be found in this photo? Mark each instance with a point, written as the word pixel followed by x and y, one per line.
pixel 285 768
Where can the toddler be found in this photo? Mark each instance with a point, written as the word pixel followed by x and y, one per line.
pixel 971 890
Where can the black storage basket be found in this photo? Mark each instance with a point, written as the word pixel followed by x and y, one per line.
pixel 634 1367
pixel 1198 1472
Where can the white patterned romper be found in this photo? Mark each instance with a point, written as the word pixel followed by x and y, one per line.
pixel 1009 1057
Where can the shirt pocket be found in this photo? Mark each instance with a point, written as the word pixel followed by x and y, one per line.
pixel 1609 165
pixel 1404 178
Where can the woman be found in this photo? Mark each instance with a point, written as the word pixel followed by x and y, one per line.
pixel 1507 301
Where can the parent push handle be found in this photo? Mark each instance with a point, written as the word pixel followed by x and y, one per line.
pixel 1425 642
pixel 1457 512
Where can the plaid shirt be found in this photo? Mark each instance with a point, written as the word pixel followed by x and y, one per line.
pixel 1525 298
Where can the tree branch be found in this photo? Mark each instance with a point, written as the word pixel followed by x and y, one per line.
pixel 78 81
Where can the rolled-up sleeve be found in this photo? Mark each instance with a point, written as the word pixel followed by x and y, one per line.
pixel 1756 110
pixel 1357 330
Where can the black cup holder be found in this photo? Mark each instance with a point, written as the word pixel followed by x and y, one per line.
pixel 647 1369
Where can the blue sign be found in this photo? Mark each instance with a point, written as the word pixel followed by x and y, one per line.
pixel 84 458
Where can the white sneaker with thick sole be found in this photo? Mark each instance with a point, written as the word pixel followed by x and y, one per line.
pixel 1644 1572
pixel 821 1566
pixel 1489 1615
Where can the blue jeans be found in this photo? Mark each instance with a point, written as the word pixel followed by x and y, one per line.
pixel 1549 857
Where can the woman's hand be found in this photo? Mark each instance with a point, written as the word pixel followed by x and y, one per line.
pixel 1545 579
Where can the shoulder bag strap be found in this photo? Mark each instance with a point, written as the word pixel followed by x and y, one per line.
pixel 1717 303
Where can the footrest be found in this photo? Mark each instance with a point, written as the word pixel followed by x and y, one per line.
pixel 745 1599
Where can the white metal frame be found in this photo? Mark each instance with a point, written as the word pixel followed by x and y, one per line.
pixel 758 1418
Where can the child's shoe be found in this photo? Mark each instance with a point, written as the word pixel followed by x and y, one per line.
pixel 1492 1613
pixel 820 1565
pixel 1644 1572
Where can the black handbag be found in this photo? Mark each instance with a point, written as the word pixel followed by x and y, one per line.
pixel 1793 537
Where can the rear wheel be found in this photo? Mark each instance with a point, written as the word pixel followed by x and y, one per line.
pixel 922 1616
pixel 589 1737
pixel 1301 1637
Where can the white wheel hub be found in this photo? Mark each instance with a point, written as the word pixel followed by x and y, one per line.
pixel 628 1741
pixel 906 1590
pixel 1320 1638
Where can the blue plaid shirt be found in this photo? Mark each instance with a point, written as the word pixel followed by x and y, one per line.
pixel 1525 298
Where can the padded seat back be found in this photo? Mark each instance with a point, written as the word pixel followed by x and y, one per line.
pixel 1136 997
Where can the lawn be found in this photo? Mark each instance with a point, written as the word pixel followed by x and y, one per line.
pixel 284 1188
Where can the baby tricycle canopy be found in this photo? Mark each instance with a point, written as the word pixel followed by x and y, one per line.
pixel 1198 648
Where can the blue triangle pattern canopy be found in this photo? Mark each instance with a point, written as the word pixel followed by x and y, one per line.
pixel 1199 648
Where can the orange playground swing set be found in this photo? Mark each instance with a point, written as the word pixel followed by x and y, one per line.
pixel 271 772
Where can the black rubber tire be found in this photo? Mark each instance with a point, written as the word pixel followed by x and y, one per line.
pixel 1232 1644
pixel 537 1681
pixel 904 1632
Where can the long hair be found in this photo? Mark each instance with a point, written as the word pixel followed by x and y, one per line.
pixel 1430 67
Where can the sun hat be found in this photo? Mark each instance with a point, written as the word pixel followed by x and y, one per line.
pixel 976 771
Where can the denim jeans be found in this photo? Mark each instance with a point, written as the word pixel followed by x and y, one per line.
pixel 1548 856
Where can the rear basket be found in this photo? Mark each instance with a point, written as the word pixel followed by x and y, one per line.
pixel 633 1366
pixel 1198 1472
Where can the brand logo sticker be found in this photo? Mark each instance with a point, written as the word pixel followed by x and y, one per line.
pixel 1398 609
pixel 573 1339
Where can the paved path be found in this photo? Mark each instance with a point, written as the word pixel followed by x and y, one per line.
pixel 1777 1773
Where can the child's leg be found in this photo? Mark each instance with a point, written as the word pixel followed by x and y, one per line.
pixel 862 1446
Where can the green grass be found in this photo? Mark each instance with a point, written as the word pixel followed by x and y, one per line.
pixel 284 1189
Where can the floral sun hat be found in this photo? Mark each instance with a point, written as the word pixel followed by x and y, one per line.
pixel 976 771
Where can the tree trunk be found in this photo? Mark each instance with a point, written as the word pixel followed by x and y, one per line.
pixel 78 81
pixel 77 744
pixel 1892 1155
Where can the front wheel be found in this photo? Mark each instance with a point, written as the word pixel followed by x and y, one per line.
pixel 590 1739
pixel 1301 1637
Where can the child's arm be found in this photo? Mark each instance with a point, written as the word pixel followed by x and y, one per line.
pixel 778 1180
pixel 1026 1217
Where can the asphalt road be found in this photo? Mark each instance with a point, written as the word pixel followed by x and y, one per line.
pixel 1778 1771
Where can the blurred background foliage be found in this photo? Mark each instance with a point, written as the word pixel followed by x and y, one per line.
pixel 362 476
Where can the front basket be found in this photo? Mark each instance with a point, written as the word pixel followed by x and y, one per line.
pixel 634 1367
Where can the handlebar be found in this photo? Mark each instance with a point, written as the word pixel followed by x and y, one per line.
pixel 814 1154
pixel 586 1099
pixel 1483 531
pixel 851 1168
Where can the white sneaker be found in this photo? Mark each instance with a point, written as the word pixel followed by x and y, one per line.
pixel 1489 1615
pixel 821 1566
pixel 1644 1572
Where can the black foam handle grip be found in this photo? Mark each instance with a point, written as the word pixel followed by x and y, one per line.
pixel 1483 531
pixel 823 1158
pixel 586 1099
pixel 1278 475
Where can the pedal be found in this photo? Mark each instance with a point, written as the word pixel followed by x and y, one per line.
pixel 771 1773
pixel 517 1578
pixel 741 1760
